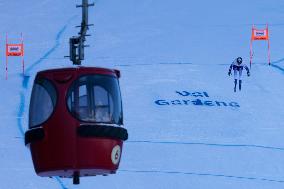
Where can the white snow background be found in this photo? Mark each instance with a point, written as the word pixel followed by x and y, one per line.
pixel 161 47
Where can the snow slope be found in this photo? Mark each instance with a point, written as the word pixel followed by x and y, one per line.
pixel 173 55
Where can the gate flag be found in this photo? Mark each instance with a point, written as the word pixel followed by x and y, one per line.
pixel 15 49
pixel 259 34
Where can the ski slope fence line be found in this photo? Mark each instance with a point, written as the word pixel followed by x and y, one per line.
pixel 205 174
pixel 202 174
pixel 189 63
pixel 273 64
pixel 26 81
pixel 209 144
pixel 278 67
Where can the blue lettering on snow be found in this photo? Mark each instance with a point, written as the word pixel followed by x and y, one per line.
pixel 194 94
pixel 183 93
pixel 176 102
pixel 234 104
pixel 221 103
pixel 195 102
pixel 162 102
pixel 209 103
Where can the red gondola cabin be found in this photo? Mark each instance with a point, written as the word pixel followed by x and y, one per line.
pixel 75 122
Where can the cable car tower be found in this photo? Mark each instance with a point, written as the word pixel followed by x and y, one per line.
pixel 75 117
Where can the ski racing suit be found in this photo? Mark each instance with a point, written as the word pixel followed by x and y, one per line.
pixel 238 69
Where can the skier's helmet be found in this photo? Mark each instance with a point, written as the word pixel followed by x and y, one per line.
pixel 239 60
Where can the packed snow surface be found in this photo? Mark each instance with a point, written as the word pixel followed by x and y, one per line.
pixel 187 128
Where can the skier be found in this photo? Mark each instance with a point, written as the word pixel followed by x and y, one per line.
pixel 238 67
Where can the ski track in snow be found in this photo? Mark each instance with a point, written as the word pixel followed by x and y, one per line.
pixel 25 86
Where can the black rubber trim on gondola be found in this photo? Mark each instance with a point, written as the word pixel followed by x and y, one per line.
pixel 34 135
pixel 102 131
